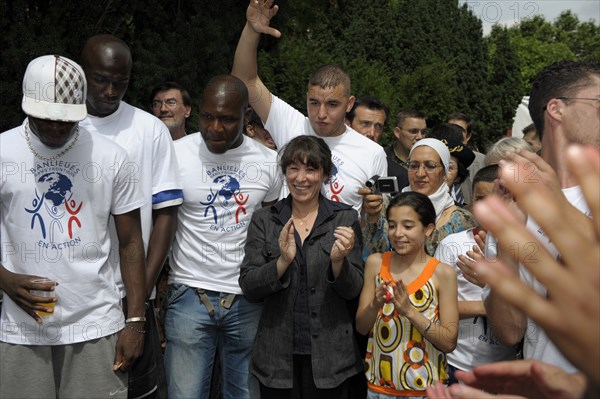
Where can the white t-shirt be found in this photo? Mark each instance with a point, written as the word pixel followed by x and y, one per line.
pixel 150 150
pixel 53 223
pixel 355 158
pixel 476 343
pixel 221 191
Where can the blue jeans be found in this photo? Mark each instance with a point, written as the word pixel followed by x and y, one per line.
pixel 193 338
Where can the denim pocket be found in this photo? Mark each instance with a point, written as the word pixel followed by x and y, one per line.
pixel 174 292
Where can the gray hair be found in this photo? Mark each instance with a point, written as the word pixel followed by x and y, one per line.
pixel 501 148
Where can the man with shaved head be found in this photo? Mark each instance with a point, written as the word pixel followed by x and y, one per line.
pixel 226 176
pixel 328 98
pixel 107 64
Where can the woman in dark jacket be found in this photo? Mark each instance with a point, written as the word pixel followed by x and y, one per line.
pixel 303 259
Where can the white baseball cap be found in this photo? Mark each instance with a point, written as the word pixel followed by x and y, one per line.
pixel 54 88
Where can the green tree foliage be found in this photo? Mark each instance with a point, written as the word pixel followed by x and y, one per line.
pixel 539 43
pixel 178 40
pixel 505 88
pixel 427 55
pixel 469 57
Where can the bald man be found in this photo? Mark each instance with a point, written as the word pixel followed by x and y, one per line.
pixel 107 64
pixel 226 176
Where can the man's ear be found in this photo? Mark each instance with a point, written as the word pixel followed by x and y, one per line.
pixel 468 137
pixel 555 109
pixel 188 111
pixel 351 100
pixel 247 115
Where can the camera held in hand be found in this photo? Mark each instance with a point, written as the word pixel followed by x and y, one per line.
pixel 380 185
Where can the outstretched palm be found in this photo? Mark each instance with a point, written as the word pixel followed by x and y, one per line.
pixel 259 14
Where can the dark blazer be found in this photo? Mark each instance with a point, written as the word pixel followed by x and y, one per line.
pixel 334 352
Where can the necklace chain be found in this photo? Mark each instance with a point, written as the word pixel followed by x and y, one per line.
pixel 54 157
pixel 305 219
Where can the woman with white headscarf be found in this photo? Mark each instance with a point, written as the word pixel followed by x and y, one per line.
pixel 428 167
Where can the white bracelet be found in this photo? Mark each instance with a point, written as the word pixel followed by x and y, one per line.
pixel 135 320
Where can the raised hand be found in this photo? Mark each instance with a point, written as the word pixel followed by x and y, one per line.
pixel 259 14
pixel 401 301
pixel 512 380
pixel 465 264
pixel 287 242
pixel 343 244
pixel 372 204
pixel 382 294
pixel 529 168
pixel 570 313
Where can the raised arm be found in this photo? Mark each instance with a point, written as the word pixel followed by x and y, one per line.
pixel 245 66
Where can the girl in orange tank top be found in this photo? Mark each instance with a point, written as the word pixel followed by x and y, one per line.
pixel 408 306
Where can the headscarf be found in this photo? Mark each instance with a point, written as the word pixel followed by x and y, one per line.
pixel 439 147
pixel 441 199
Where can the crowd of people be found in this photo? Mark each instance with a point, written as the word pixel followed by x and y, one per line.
pixel 261 258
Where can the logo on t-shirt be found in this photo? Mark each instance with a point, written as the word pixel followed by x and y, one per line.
pixel 225 204
pixel 333 185
pixel 54 209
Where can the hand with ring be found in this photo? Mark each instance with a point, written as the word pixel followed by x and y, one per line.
pixel 465 264
pixel 343 244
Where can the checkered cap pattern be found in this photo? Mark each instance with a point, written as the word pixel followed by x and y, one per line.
pixel 69 83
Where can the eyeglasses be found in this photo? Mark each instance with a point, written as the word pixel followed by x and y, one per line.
pixel 170 103
pixel 597 100
pixel 430 167
pixel 415 131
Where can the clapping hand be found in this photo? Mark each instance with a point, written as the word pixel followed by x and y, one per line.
pixel 343 244
pixel 512 380
pixel 287 242
pixel 465 264
pixel 400 298
pixel 571 311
